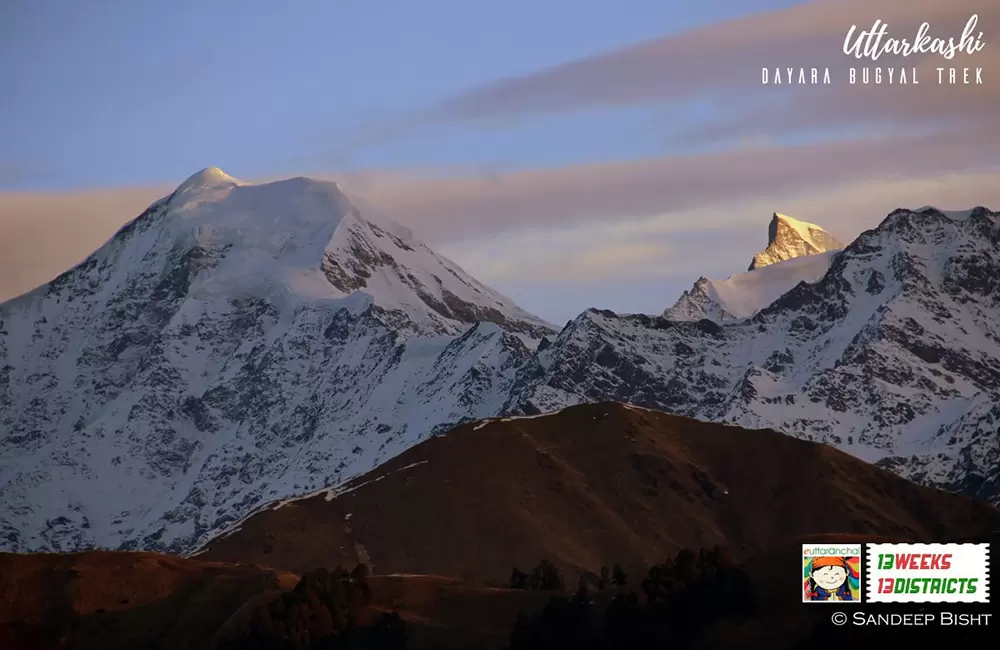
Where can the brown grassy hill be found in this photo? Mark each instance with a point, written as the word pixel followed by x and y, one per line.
pixel 590 486
pixel 102 600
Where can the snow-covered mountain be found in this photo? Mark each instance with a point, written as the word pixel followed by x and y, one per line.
pixel 893 355
pixel 788 238
pixel 234 344
pixel 744 294
pixel 238 344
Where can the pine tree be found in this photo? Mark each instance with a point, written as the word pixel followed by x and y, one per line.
pixel 360 573
pixel 546 577
pixel 618 576
pixel 518 579
pixel 582 592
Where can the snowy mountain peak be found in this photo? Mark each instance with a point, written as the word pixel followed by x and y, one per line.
pixel 302 240
pixel 788 238
pixel 207 178
pixel 803 227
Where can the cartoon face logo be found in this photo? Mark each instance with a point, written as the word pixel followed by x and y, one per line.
pixel 830 575
pixel 831 578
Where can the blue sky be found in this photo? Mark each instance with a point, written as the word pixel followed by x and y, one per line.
pixel 571 153
pixel 105 93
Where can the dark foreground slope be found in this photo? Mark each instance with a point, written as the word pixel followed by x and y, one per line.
pixel 127 601
pixel 132 601
pixel 99 600
pixel 589 486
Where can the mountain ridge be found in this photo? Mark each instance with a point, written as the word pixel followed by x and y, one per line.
pixel 202 363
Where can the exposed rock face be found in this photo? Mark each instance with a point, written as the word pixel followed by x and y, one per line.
pixel 788 238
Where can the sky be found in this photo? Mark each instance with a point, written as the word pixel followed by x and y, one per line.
pixel 570 153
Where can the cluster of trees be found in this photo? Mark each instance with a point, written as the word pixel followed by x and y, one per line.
pixel 322 612
pixel 615 578
pixel 681 599
pixel 546 577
